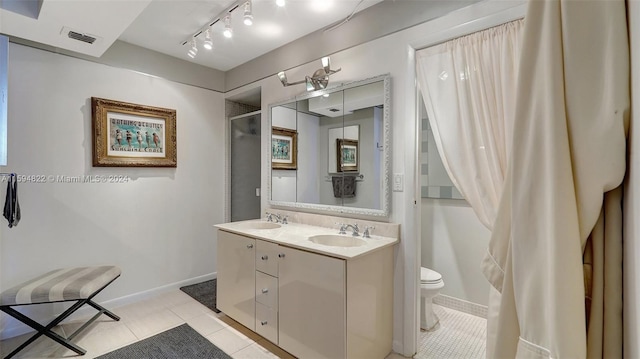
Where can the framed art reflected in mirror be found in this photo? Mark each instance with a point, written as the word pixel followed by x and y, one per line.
pixel 347 151
pixel 284 148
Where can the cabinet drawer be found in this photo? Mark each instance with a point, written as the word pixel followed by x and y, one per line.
pixel 267 322
pixel 267 257
pixel 267 290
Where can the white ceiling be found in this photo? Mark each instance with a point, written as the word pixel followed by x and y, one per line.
pixel 163 25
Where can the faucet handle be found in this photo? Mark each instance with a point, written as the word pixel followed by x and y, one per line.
pixel 343 228
pixel 284 219
pixel 367 231
pixel 269 216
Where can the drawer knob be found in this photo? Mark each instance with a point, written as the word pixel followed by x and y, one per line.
pixel 265 290
pixel 265 257
pixel 264 322
pixel 281 255
pixel 249 246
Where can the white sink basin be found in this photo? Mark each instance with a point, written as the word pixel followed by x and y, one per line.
pixel 259 225
pixel 337 241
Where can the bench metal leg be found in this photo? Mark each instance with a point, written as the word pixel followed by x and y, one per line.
pixel 46 330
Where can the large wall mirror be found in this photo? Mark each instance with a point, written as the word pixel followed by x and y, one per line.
pixel 330 149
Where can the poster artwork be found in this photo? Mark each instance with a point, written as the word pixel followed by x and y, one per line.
pixel 135 136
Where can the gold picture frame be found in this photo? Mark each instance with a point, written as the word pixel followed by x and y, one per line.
pixel 284 149
pixel 348 156
pixel 132 135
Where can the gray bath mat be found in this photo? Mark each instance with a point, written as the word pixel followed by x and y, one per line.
pixel 204 293
pixel 181 342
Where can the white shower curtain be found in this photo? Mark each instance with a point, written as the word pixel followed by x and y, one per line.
pixel 468 86
pixel 553 243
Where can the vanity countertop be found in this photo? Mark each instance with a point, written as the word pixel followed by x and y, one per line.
pixel 297 235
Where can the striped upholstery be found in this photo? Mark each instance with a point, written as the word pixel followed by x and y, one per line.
pixel 60 285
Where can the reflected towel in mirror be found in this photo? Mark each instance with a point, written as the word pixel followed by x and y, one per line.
pixel 344 186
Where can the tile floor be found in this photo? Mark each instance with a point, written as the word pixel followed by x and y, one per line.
pixel 458 335
pixel 147 318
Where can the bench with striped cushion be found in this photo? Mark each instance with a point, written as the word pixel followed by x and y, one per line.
pixel 78 284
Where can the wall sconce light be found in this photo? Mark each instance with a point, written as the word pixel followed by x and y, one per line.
pixel 318 81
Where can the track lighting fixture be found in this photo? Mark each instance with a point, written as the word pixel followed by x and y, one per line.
pixel 205 33
pixel 208 43
pixel 280 3
pixel 248 16
pixel 193 51
pixel 228 31
pixel 318 81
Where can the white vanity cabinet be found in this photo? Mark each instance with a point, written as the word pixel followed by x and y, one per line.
pixel 236 277
pixel 309 304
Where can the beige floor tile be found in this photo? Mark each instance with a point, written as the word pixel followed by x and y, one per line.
pixel 253 351
pixel 190 309
pixel 206 324
pixel 153 324
pixel 98 342
pixel 140 309
pixel 173 298
pixel 229 340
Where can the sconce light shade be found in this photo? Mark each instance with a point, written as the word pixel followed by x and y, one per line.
pixel 280 3
pixel 326 64
pixel 208 43
pixel 283 78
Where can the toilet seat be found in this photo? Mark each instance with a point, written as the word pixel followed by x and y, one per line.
pixel 429 276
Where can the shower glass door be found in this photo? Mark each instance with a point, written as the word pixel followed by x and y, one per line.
pixel 245 166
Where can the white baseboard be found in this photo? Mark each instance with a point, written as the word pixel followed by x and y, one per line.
pixel 19 329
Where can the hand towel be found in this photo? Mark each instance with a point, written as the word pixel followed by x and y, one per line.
pixel 11 205
pixel 344 186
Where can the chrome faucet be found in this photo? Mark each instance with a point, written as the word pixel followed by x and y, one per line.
pixel 276 217
pixel 367 231
pixel 355 228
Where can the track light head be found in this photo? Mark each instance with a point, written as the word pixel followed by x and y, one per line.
pixel 228 31
pixel 248 16
pixel 208 43
pixel 193 51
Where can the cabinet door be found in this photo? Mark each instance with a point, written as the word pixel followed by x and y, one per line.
pixel 236 277
pixel 312 304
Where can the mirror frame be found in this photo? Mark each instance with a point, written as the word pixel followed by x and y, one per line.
pixel 386 142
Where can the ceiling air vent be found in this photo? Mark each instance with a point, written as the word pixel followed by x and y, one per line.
pixel 81 37
pixel 75 34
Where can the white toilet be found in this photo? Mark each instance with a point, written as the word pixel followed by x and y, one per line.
pixel 430 284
